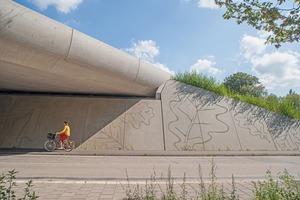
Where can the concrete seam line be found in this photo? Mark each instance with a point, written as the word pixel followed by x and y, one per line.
pixel 126 99
pixel 162 116
pixel 71 41
pixel 234 125
pixel 138 70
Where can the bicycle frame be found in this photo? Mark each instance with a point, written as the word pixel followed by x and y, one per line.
pixel 53 142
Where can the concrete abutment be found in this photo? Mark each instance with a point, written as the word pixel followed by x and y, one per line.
pixel 186 118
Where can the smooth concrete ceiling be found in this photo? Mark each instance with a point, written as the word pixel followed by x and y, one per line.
pixel 38 54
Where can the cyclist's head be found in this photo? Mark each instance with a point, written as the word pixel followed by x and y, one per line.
pixel 65 122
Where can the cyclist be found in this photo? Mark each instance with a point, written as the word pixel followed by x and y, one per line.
pixel 64 134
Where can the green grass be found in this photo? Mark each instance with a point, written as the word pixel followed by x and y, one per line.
pixel 282 106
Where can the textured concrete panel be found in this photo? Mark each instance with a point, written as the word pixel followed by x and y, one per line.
pixel 185 119
pixel 251 124
pixel 96 123
pixel 196 119
pixel 100 113
pixel 143 125
pixel 138 128
pixel 30 118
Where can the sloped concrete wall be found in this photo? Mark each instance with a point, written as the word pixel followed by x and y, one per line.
pixel 96 123
pixel 196 119
pixel 185 119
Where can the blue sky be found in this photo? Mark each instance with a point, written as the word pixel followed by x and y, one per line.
pixel 179 36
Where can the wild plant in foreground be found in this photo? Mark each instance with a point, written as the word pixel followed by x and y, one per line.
pixel 285 188
pixel 150 188
pixel 7 184
pixel 213 192
pixel 170 193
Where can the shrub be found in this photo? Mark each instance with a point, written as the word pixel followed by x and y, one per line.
pixel 284 188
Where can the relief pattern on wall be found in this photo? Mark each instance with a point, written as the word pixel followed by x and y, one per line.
pixel 17 120
pixel 95 123
pixel 192 119
pixel 195 123
pixel 197 117
pixel 278 130
pixel 113 135
pixel 99 115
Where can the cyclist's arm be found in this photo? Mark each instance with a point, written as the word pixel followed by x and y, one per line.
pixel 63 131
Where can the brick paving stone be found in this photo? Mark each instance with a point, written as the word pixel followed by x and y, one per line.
pixel 119 196
pixel 93 197
pixel 80 196
pixel 65 190
pixel 67 194
pixel 106 196
pixel 243 193
pixel 51 196
pixel 94 194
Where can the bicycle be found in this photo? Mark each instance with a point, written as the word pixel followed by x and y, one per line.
pixel 53 142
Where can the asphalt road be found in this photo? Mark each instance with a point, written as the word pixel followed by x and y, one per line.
pixel 74 167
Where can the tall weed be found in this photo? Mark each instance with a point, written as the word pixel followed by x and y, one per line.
pixel 212 191
pixel 285 188
pixel 7 185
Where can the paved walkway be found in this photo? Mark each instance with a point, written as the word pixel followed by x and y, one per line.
pixel 115 189
pixel 108 190
pixel 148 153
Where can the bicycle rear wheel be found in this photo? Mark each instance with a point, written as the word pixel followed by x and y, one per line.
pixel 50 145
pixel 67 146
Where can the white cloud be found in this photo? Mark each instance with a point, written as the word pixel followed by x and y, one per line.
pixel 147 50
pixel 252 46
pixel 164 67
pixel 274 69
pixel 64 6
pixel 278 69
pixel 144 49
pixel 206 65
pixel 207 4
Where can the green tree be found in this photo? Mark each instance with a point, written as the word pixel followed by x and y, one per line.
pixel 281 18
pixel 244 84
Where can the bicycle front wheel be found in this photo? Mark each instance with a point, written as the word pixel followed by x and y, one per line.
pixel 50 145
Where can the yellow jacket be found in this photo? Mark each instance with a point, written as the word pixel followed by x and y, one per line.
pixel 66 131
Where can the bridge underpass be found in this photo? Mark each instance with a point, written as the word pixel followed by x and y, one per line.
pixel 141 109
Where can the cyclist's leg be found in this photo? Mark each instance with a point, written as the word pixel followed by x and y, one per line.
pixel 62 139
pixel 67 145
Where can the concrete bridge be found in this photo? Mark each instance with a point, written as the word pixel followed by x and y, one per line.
pixel 39 54
pixel 50 73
